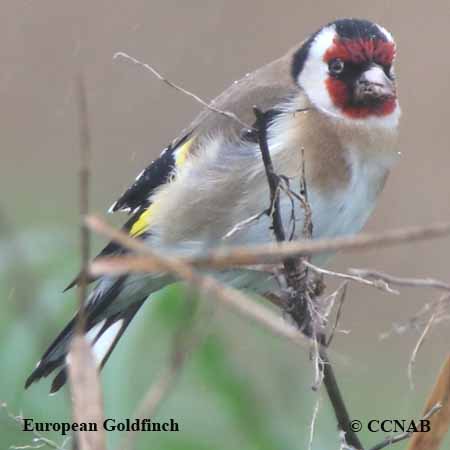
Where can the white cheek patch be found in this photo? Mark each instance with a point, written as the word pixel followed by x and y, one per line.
pixel 322 42
pixel 315 72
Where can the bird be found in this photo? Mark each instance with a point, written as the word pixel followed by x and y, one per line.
pixel 331 109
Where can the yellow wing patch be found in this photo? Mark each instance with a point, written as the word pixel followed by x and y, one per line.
pixel 182 153
pixel 144 221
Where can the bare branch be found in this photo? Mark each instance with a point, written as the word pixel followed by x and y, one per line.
pixel 86 394
pixel 272 177
pixel 227 295
pixel 378 284
pixel 303 292
pixel 303 197
pixel 244 223
pixel 318 362
pixel 439 422
pixel 343 290
pixel 313 422
pixel 158 75
pixel 402 436
pixel 273 253
pixel 222 258
pixel 84 382
pixel 343 442
pixel 438 307
pixel 39 439
pixel 337 401
pixel 400 281
pixel 183 344
pixel 85 156
pixel 419 344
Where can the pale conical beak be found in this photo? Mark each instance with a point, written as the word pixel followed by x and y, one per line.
pixel 374 84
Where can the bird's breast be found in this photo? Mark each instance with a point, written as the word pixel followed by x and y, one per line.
pixel 226 185
pixel 345 169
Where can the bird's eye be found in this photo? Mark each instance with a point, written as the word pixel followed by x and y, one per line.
pixel 336 66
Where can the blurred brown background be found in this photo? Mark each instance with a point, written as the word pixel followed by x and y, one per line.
pixel 204 46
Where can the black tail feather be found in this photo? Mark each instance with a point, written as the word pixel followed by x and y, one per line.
pixel 49 362
pixel 96 311
pixel 127 317
pixel 59 381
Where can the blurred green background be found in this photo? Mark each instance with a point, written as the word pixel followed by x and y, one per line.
pixel 242 389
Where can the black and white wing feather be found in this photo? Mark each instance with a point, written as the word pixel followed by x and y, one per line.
pixel 159 172
pixel 137 198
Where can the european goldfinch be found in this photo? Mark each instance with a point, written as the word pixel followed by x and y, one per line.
pixel 333 110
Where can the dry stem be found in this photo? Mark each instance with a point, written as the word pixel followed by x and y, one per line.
pixel 273 253
pixel 85 155
pixel 227 295
pixel 83 376
pixel 402 436
pixel 198 99
pixel 39 439
pixel 182 346
pixel 378 284
pixel 417 347
pixel 401 281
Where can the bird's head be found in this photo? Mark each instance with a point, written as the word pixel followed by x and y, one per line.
pixel 346 69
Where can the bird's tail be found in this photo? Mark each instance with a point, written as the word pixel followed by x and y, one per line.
pixel 109 311
pixel 111 307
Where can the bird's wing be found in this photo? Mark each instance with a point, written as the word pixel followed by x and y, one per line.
pixel 266 88
pixel 154 175
pixel 136 200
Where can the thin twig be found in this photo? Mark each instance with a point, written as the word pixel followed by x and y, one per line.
pixel 198 99
pixel 313 422
pixel 337 401
pixel 86 393
pixel 84 382
pixel 38 437
pixel 439 307
pixel 417 347
pixel 303 197
pixel 222 258
pixel 182 346
pixel 343 290
pixel 272 177
pixel 229 296
pixel 319 375
pixel 300 304
pixel 343 442
pixel 378 284
pixel 295 272
pixel 407 434
pixel 401 281
pixel 438 425
pixel 273 253
pixel 85 156
pixel 244 223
